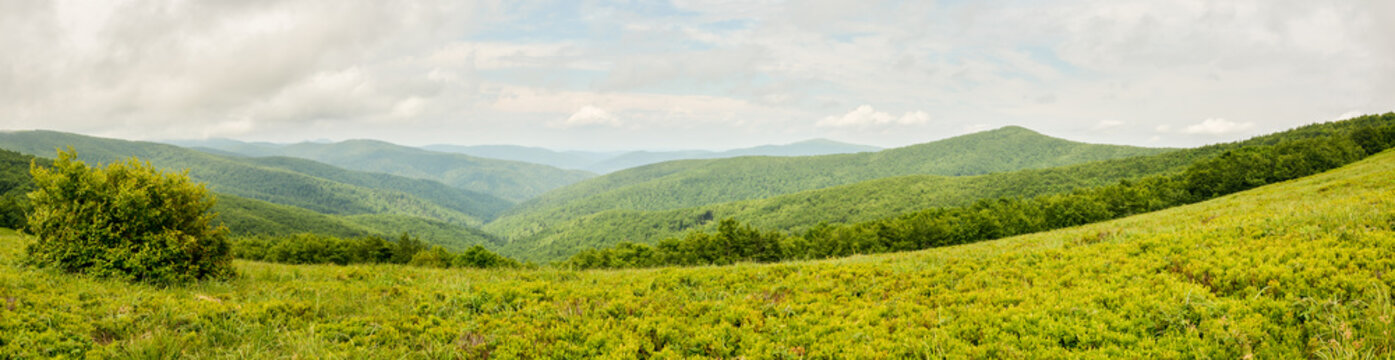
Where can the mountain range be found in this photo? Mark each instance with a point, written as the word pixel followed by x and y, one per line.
pixel 607 162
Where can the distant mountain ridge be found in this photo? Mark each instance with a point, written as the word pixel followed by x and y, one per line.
pixel 511 180
pixel 607 162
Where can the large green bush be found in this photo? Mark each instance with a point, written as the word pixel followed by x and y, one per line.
pixel 127 221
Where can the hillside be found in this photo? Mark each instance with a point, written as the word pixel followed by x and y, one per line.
pixel 511 180
pixel 278 181
pixel 693 183
pixel 247 217
pixel 862 201
pixel 882 198
pixel 606 162
pixel 1293 270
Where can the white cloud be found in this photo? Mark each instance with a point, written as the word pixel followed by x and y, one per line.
pixel 588 116
pixel 865 116
pixel 1348 115
pixel 1108 124
pixel 295 69
pixel 1218 126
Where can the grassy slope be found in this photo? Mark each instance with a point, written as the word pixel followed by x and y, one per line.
pixel 1293 270
pixel 512 180
pixel 279 183
pixel 683 184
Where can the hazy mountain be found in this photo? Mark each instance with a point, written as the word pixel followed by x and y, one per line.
pixel 606 162
pixel 575 160
pixel 512 180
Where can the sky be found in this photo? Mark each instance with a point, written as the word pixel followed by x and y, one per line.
pixel 699 74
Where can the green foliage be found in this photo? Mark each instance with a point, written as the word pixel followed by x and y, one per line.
pixel 481 258
pixel 126 221
pixel 1294 270
pixel 15 185
pixel 321 249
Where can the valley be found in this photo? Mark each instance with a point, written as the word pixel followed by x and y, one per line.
pixel 1212 279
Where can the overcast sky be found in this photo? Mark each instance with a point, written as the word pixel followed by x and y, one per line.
pixel 709 74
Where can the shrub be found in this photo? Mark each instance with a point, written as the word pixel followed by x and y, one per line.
pixel 127 221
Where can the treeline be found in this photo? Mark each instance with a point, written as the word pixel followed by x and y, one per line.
pixel 1235 170
pixel 15 185
pixel 322 249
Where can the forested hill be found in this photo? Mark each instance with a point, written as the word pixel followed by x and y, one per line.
pixel 511 180
pixel 874 199
pixel 689 183
pixel 281 182
pixel 250 217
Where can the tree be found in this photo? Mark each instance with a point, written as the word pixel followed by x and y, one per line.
pixel 127 221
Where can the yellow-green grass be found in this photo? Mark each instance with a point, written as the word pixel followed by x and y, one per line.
pixel 1294 270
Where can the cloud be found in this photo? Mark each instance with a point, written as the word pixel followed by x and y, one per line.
pixel 1108 124
pixel 296 69
pixel 160 69
pixel 865 116
pixel 588 116
pixel 1348 115
pixel 1218 126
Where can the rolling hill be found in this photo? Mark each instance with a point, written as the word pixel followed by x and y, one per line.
pixel 247 217
pixel 1298 269
pixel 876 199
pixel 280 196
pixel 277 181
pixel 511 180
pixel 692 183
pixel 606 162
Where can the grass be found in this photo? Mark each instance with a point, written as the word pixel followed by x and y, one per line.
pixel 1301 269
